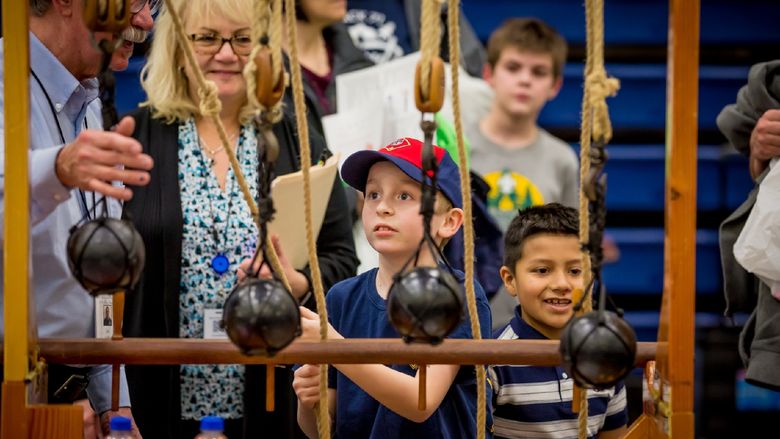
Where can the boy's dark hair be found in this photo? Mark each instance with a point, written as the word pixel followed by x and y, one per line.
pixel 551 218
pixel 531 35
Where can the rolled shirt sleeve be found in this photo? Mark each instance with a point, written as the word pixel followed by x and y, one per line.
pixel 47 191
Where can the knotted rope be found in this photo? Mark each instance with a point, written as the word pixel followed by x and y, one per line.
pixel 595 125
pixel 323 416
pixel 465 189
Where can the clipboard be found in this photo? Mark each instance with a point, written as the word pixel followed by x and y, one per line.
pixel 289 223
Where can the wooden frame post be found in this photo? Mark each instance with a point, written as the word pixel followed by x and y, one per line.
pixel 16 284
pixel 676 365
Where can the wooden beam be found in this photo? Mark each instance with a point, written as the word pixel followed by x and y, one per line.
pixel 645 427
pixel 352 351
pixel 677 325
pixel 14 424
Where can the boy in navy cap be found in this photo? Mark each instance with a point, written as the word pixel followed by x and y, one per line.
pixel 375 400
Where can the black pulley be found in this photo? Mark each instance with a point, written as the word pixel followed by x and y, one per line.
pixel 261 317
pixel 106 255
pixel 598 349
pixel 425 305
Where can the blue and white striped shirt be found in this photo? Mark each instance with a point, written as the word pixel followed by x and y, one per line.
pixel 535 401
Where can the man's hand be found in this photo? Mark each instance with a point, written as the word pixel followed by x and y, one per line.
pixel 764 141
pixel 105 419
pixel 306 383
pixel 90 420
pixel 96 158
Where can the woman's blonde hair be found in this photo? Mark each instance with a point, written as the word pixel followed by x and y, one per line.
pixel 163 77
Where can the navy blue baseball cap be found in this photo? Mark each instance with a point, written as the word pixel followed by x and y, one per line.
pixel 406 154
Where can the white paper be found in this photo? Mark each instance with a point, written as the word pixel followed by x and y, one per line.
pixel 378 103
pixel 352 131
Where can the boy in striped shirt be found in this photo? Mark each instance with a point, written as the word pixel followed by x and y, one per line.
pixel 542 266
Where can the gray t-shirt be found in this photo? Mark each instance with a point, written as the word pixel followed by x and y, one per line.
pixel 545 171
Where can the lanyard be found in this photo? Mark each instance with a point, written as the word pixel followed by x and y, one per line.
pixel 82 195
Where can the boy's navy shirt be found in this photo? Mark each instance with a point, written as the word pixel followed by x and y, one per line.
pixel 356 310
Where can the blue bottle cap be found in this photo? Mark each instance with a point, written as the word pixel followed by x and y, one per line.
pixel 212 423
pixel 120 423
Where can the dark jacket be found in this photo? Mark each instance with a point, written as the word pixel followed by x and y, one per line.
pixel 153 309
pixel 346 58
pixel 759 341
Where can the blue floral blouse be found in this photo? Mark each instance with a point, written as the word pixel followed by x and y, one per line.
pixel 215 222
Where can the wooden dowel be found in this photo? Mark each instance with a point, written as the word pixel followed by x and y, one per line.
pixel 575 398
pixel 119 313
pixel 353 351
pixel 422 379
pixel 115 387
pixel 270 371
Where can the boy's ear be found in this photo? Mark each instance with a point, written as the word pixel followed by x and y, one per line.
pixel 556 88
pixel 453 219
pixel 509 280
pixel 487 73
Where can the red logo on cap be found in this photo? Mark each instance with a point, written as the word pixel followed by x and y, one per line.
pixel 412 155
pixel 396 144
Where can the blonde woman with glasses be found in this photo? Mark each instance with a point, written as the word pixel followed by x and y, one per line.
pixel 197 228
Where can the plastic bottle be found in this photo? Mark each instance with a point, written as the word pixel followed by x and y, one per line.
pixel 211 427
pixel 121 428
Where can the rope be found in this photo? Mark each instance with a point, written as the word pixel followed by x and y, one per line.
pixel 323 416
pixel 430 30
pixel 267 31
pixel 210 106
pixel 595 124
pixel 465 189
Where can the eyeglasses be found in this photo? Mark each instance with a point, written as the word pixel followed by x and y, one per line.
pixel 137 5
pixel 210 44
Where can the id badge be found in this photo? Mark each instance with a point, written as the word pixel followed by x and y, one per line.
pixel 212 325
pixel 104 316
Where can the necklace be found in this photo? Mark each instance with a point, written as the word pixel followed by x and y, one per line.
pixel 219 262
pixel 213 151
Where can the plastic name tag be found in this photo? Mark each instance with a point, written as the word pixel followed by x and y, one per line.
pixel 212 325
pixel 104 316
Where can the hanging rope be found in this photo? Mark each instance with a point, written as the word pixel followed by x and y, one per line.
pixel 595 125
pixel 465 188
pixel 323 416
pixel 210 106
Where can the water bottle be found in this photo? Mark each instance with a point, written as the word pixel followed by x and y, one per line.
pixel 211 427
pixel 121 428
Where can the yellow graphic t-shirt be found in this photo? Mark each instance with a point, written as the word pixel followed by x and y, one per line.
pixel 510 192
